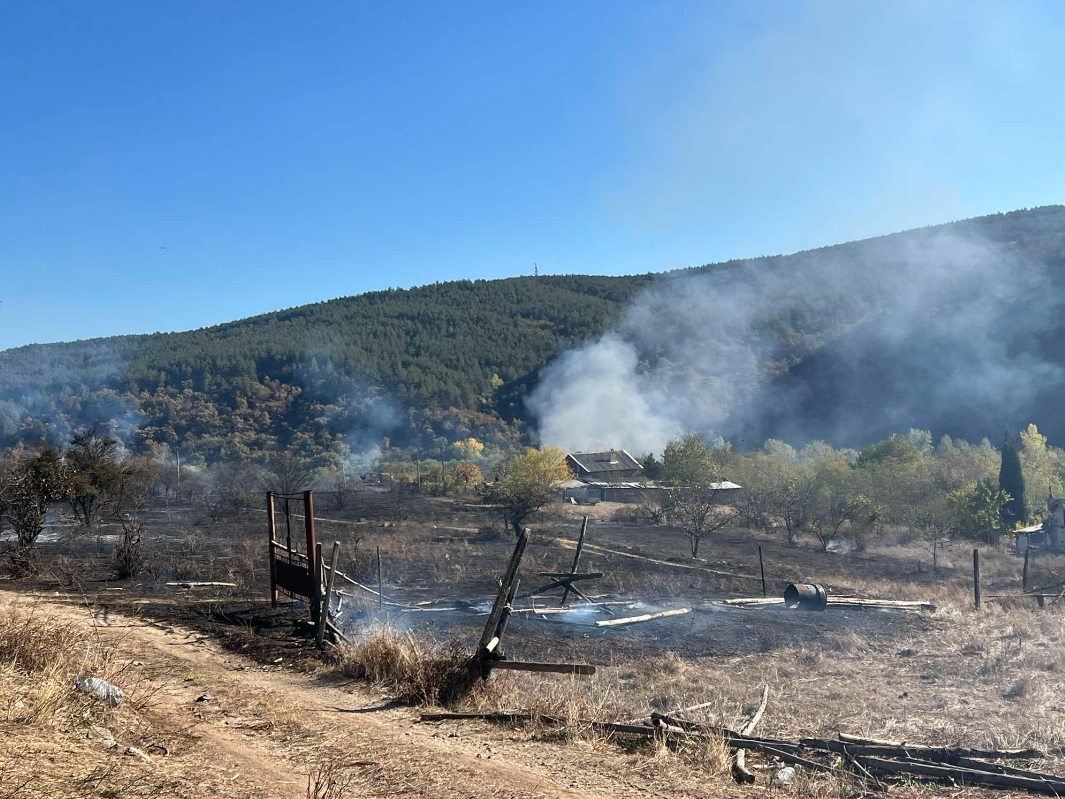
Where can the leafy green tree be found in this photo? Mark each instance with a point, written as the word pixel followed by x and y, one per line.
pixel 838 502
pixel 31 485
pixel 652 468
pixel 978 509
pixel 97 475
pixel 687 461
pixel 1040 475
pixel 1011 483
pixel 527 481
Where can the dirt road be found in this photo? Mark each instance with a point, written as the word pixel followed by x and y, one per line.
pixel 263 729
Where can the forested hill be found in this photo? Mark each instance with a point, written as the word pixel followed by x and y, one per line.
pixel 420 365
pixel 426 366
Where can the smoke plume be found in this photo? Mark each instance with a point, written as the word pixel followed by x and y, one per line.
pixel 942 328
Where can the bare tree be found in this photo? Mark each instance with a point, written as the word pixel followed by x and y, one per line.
pixel 288 473
pixel 699 510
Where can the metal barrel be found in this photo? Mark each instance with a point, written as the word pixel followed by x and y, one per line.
pixel 806 596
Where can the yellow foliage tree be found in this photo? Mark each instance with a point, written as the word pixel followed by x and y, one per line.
pixel 469 447
pixel 528 481
pixel 465 476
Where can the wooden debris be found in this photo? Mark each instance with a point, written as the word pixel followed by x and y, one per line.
pixel 202 584
pixel 857 739
pixel 739 757
pixel 1045 783
pixel 582 669
pixel 645 617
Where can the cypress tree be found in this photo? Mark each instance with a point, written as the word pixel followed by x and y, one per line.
pixel 1011 481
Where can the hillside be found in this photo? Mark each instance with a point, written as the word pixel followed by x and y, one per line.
pixel 434 364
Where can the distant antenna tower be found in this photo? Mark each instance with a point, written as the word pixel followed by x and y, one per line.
pixel 536 270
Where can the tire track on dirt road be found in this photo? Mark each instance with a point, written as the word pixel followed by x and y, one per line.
pixel 269 726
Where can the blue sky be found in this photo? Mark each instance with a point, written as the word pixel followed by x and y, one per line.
pixel 170 166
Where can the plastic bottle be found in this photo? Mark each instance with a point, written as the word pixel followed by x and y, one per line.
pixel 101 689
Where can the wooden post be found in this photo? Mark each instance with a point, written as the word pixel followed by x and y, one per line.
pixel 323 615
pixel 976 578
pixel 576 558
pixel 317 616
pixel 380 583
pixel 761 568
pixel 504 618
pixel 504 589
pixel 1024 574
pixel 271 527
pixel 313 552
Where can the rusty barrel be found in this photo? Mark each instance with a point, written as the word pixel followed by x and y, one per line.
pixel 806 596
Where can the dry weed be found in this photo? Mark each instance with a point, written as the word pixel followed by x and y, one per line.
pixel 426 673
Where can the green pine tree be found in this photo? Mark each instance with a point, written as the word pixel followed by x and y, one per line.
pixel 1011 483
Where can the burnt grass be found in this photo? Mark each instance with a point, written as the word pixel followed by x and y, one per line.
pixel 453 549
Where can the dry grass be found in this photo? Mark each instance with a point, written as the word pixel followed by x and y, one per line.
pixel 415 672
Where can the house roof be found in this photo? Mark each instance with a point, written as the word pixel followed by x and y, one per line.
pixel 615 460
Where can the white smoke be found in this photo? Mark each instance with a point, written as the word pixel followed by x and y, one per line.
pixel 698 350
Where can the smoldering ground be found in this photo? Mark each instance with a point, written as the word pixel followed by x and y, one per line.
pixel 945 328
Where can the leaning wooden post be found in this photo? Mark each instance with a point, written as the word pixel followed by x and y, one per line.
pixel 323 616
pixel 317 616
pixel 976 578
pixel 271 527
pixel 576 558
pixel 313 552
pixel 761 568
pixel 504 620
pixel 380 582
pixel 482 652
pixel 1024 573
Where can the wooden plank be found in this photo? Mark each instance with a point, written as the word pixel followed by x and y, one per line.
pixel 645 617
pixel 271 528
pixel 554 668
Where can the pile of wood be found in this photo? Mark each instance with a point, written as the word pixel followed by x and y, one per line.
pixel 874 761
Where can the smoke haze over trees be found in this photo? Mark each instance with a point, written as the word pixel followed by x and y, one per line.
pixel 957 329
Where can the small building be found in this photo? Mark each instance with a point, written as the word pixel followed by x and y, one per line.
pixel 615 465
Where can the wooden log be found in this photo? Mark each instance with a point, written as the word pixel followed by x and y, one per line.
pixel 202 584
pixel 936 753
pixel 337 632
pixel 967 776
pixel 645 617
pixel 976 578
pixel 554 668
pixel 601 605
pixel 761 569
pixel 857 739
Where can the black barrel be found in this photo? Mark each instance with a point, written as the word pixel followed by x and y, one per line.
pixel 805 596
